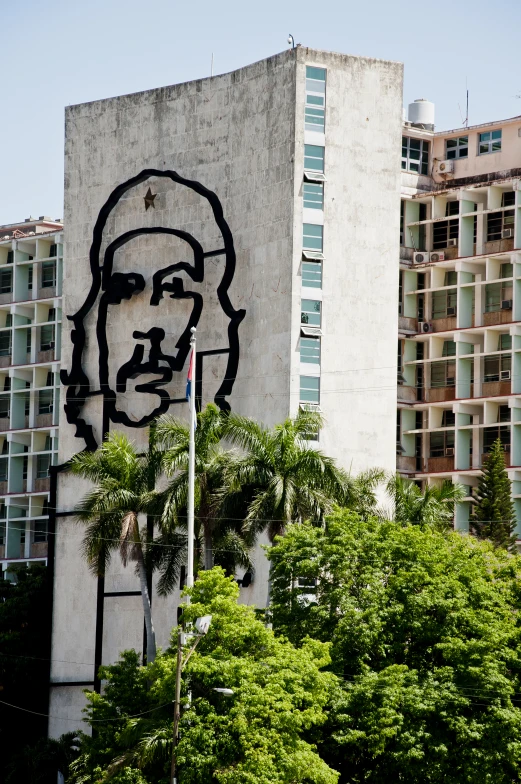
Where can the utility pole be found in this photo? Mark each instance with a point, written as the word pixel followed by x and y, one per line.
pixel 177 707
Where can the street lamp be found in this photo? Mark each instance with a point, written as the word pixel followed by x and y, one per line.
pixel 226 692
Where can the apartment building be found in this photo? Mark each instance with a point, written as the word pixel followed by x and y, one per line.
pixel 459 347
pixel 31 259
pixel 244 205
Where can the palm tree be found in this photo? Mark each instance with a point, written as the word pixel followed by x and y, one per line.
pixel 432 507
pixel 124 488
pixel 281 476
pixel 219 537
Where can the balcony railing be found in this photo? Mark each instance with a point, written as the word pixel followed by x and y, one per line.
pixel 439 394
pixel 439 464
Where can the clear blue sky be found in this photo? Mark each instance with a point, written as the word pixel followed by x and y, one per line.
pixel 60 52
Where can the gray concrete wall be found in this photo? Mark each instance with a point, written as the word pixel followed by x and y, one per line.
pixel 240 135
pixel 235 135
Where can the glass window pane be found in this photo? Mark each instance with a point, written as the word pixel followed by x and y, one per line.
pixel 414 144
pixel 312 72
pixel 316 100
pixel 483 149
pixel 463 153
pixel 313 157
pixel 496 146
pixel 313 195
pixel 310 389
pixel 312 238
pixel 312 274
pixel 452 143
pixel 496 134
pixel 310 312
pixel 310 350
pixel 484 137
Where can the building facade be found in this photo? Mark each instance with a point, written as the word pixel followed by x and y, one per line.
pixel 459 344
pixel 31 258
pixel 261 207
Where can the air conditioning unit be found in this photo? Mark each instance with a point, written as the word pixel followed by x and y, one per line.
pixel 449 452
pixel 507 233
pixel 425 326
pixel 506 304
pixel 451 311
pixel 437 256
pixel 504 375
pixel 445 167
pixel 452 243
pixel 421 257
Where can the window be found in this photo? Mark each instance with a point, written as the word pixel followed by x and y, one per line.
pixel 40 530
pixel 505 342
pixel 27 407
pixel 6 281
pixel 449 348
pixel 440 443
pixel 53 250
pixel 30 279
pixel 491 434
pixel 4 409
pixel 7 384
pixel 400 357
pixel 10 256
pixel 415 155
pixel 444 304
pixel 492 297
pixel 310 389
pixel 315 99
pixel 503 414
pixel 506 271
pixel 310 350
pixel 48 444
pixel 25 464
pixel 3 469
pixel 451 278
pixel 48 274
pixel 51 316
pixel 496 366
pixel 457 148
pixel 42 466
pixel 49 382
pixel 443 374
pixel 445 231
pixel 311 312
pixel 402 222
pixel 5 344
pixel 45 405
pixel 314 158
pixel 47 337
pixel 448 419
pixel 312 274
pixel 499 222
pixel 28 341
pixel 314 195
pixel 490 141
pixel 312 237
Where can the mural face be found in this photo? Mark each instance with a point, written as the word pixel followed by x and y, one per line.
pixel 133 380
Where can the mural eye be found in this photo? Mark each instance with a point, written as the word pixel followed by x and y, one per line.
pixel 124 286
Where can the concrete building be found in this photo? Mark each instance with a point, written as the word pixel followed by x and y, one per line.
pixel 459 345
pixel 262 207
pixel 31 260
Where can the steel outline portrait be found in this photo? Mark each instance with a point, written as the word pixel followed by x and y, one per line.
pixel 114 287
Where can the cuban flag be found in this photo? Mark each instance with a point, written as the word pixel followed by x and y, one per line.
pixel 190 377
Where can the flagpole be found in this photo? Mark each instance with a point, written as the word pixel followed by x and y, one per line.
pixel 191 469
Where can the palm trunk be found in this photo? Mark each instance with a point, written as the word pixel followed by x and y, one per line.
pixel 208 547
pixel 147 608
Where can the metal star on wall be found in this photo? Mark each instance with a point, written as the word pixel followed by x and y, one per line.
pixel 149 199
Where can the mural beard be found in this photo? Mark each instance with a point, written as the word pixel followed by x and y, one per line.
pixel 154 360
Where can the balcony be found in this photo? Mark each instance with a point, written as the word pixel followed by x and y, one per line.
pixel 498 246
pixel 4 423
pixel 495 388
pixel 46 292
pixel 436 465
pixel 406 254
pixel 440 394
pixel 5 361
pixel 43 420
pixel 38 550
pixel 42 485
pixel 406 464
pixel 444 324
pixel 497 317
pixel 45 356
pixel 407 323
pixel 406 394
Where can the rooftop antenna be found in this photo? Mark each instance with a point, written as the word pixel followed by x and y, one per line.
pixel 291 41
pixel 466 120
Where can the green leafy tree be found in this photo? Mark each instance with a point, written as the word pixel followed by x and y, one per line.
pixel 280 474
pixel 425 635
pixel 433 506
pixel 219 539
pixel 123 491
pixel 494 517
pixel 256 736
pixel 25 624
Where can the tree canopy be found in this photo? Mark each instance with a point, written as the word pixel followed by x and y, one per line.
pixel 257 736
pixel 494 517
pixel 425 636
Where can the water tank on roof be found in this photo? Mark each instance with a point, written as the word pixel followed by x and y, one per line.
pixel 421 112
